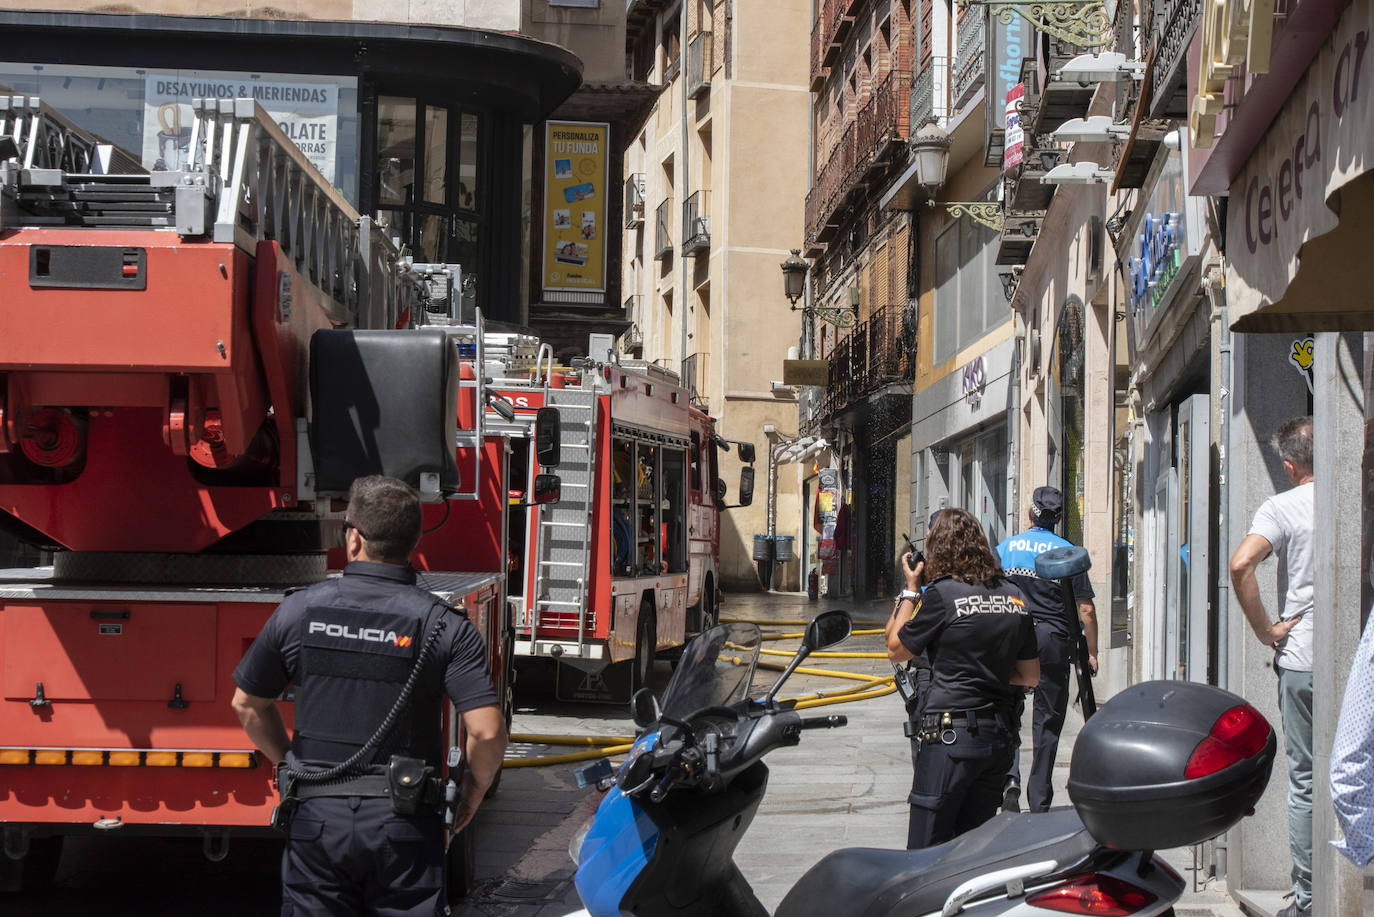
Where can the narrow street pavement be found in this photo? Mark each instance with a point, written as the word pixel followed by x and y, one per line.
pixel 840 788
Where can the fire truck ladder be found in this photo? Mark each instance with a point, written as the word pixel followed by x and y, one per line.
pixel 563 539
pixel 243 181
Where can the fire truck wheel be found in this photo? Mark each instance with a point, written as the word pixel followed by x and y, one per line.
pixel 461 865
pixel 646 635
pixel 36 870
pixel 708 617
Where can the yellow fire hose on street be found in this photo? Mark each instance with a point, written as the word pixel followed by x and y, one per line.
pixel 868 686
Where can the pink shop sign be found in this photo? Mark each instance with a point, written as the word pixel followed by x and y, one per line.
pixel 1322 139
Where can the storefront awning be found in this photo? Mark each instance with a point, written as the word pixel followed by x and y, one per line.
pixel 1300 222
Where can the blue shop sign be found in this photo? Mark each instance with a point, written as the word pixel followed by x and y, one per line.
pixel 1159 255
pixel 1159 248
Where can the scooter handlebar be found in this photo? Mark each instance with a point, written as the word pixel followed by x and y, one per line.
pixel 824 722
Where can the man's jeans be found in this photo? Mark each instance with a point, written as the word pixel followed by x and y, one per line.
pixel 1295 708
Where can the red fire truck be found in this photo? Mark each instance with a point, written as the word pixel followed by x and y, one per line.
pixel 185 392
pixel 625 564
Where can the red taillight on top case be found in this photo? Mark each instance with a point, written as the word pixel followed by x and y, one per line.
pixel 1097 895
pixel 1236 735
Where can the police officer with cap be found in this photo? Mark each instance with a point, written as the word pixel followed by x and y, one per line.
pixel 1055 639
pixel 370 654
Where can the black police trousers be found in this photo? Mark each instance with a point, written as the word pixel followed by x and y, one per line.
pixel 351 856
pixel 957 787
pixel 1051 707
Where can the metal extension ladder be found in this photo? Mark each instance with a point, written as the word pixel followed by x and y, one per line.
pixel 563 539
pixel 246 182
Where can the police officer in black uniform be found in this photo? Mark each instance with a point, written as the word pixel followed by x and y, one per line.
pixel 370 841
pixel 1058 641
pixel 981 641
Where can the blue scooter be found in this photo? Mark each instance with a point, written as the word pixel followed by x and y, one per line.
pixel 1164 764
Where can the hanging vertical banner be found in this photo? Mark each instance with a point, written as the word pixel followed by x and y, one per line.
pixel 576 163
pixel 1016 135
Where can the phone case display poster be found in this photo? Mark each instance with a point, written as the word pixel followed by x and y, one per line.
pixel 307 110
pixel 575 192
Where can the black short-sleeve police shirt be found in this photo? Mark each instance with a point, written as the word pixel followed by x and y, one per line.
pixel 458 668
pixel 975 635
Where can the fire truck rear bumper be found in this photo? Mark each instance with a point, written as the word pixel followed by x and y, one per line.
pixel 561 649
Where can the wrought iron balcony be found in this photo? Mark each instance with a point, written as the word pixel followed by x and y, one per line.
pixel 694 377
pixel 928 93
pixel 876 353
pixel 836 22
pixel 699 65
pixel 696 223
pixel 819 71
pixel 969 55
pixel 634 201
pixel 883 121
pixel 663 236
pixel 1179 20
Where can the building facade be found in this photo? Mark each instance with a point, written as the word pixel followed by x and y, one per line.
pixel 1191 290
pixel 714 182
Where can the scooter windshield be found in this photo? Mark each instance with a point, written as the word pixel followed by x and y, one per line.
pixel 716 670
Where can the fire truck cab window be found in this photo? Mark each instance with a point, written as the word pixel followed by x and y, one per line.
pixel 649 500
pixel 696 463
pixel 674 519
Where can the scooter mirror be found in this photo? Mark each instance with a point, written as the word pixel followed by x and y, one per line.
pixel 827 629
pixel 644 707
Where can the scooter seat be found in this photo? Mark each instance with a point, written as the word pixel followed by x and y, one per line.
pixel 868 882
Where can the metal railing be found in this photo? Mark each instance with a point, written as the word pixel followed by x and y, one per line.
pixel 634 201
pixel 663 236
pixel 928 93
pixel 819 71
pixel 699 65
pixel 874 354
pixel 836 22
pixel 694 379
pixel 971 49
pixel 1178 22
pixel 696 222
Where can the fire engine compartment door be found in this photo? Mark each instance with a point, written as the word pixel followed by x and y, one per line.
pixel 109 651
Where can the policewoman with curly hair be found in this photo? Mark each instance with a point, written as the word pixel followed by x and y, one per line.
pixel 960 608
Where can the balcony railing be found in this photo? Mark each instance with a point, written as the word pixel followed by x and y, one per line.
pixel 663 236
pixel 819 71
pixel 969 65
pixel 928 94
pixel 699 65
pixel 1179 20
pixel 876 353
pixel 836 23
pixel 696 223
pixel 632 337
pixel 634 201
pixel 883 120
pixel 694 378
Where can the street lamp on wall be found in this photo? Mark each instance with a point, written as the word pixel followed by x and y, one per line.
pixel 930 150
pixel 794 271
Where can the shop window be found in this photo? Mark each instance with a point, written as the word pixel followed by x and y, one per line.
pixel 439 217
pixel 148 112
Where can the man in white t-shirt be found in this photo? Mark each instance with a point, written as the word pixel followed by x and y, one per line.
pixel 1283 524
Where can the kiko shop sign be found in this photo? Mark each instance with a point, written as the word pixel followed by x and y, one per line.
pixel 1322 139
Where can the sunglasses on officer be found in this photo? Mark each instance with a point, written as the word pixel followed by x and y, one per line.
pixel 349 525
